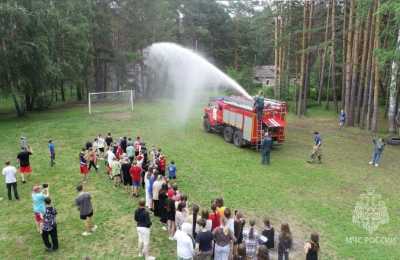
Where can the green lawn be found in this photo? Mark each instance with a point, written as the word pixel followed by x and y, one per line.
pixel 310 197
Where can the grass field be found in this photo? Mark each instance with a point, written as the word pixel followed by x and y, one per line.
pixel 310 197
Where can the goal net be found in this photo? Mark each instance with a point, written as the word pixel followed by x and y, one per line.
pixel 111 101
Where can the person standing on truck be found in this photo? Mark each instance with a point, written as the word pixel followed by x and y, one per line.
pixel 259 105
pixel 266 146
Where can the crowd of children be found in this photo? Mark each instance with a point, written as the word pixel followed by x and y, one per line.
pixel 200 234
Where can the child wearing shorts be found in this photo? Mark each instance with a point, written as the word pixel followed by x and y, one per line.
pixel 38 206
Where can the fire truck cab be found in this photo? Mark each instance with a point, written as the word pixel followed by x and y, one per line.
pixel 235 118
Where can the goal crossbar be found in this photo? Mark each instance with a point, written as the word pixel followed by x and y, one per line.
pixel 110 92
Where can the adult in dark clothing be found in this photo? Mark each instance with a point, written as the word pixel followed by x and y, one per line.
pixel 204 241
pixel 269 233
pixel 142 218
pixel 238 226
pixel 49 226
pixel 126 177
pixel 311 247
pixel 24 164
pixel 285 242
pixel 266 146
pixel 259 106
pixel 109 140
pixel 162 203
pixel 124 144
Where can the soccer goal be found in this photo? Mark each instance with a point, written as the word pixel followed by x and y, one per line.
pixel 110 101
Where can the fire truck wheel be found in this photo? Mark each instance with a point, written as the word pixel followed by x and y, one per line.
pixel 206 125
pixel 228 134
pixel 238 138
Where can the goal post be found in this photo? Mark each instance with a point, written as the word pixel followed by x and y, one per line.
pixel 119 97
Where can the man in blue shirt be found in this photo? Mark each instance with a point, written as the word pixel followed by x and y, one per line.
pixel 316 154
pixel 266 146
pixel 172 170
pixel 52 153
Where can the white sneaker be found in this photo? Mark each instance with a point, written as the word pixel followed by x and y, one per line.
pixel 85 234
pixel 150 258
pixel 376 165
pixel 94 228
pixel 164 228
pixel 140 254
pixel 170 238
pixel 371 163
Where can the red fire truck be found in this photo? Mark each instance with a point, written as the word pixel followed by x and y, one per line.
pixel 236 119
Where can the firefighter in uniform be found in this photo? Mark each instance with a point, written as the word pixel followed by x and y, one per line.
pixel 259 105
pixel 316 153
pixel 266 146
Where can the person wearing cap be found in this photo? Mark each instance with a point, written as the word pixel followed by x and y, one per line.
pixel 266 146
pixel 38 206
pixel 52 153
pixel 10 174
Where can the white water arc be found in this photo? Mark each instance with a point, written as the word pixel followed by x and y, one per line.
pixel 187 73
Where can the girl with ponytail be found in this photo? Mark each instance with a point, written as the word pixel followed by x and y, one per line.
pixel 251 238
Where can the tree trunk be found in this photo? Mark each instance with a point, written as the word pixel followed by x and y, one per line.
pixel 354 73
pixel 370 97
pixel 364 114
pixel 333 55
pixel 18 108
pixel 374 123
pixel 362 89
pixel 62 90
pixel 78 92
pixel 303 60
pixel 323 58
pixel 349 65
pixel 393 90
pixel 307 63
pixel 276 57
pixel 327 87
pixel 344 54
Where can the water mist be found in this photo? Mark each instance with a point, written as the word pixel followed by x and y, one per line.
pixel 187 74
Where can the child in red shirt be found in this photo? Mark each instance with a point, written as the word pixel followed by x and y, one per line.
pixel 214 217
pixel 162 164
pixel 119 152
pixel 135 172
